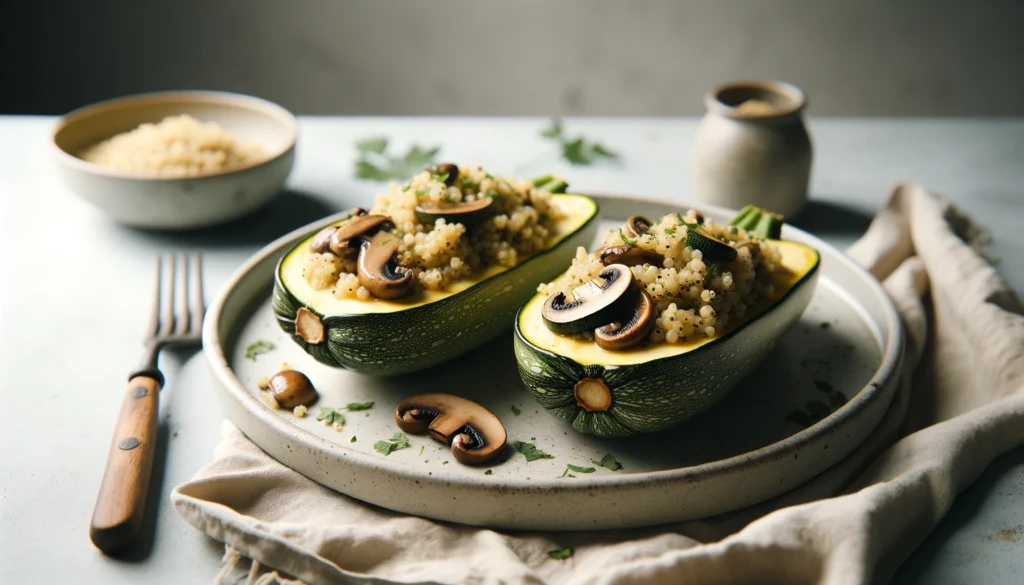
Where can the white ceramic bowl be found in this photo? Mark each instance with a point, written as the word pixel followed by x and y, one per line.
pixel 151 201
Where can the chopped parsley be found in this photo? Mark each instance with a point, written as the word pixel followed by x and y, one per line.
pixel 609 461
pixel 670 231
pixel 622 235
pixel 396 442
pixel 353 439
pixel 330 415
pixel 440 178
pixel 577 469
pixel 561 554
pixel 421 451
pixel 357 406
pixel 516 411
pixel 712 271
pixel 578 150
pixel 530 451
pixel 376 164
pixel 489 472
pixel 257 348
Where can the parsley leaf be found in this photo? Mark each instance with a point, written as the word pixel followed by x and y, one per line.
pixel 609 461
pixel 396 442
pixel 530 451
pixel 579 469
pixel 330 415
pixel 712 271
pixel 489 472
pixel 377 144
pixel 356 406
pixel 353 439
pixel 622 235
pixel 257 348
pixel 578 150
pixel 670 231
pixel 561 554
pixel 376 164
pixel 516 411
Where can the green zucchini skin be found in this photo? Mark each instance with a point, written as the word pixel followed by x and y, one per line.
pixel 386 344
pixel 658 394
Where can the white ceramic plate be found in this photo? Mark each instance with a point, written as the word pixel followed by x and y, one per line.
pixel 843 356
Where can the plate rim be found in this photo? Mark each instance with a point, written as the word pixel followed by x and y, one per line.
pixel 875 388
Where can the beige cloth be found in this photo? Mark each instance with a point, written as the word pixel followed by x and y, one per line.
pixel 964 390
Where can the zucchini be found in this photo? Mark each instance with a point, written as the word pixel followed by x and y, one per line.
pixel 398 336
pixel 656 385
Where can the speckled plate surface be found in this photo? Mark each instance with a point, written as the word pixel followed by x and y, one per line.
pixel 820 393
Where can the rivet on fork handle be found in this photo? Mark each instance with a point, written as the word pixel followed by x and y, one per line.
pixel 120 507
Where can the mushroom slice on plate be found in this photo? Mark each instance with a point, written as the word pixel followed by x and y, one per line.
pixel 292 388
pixel 637 225
pixel 322 242
pixel 475 434
pixel 630 256
pixel 593 305
pixel 378 272
pixel 464 212
pixel 362 225
pixel 630 330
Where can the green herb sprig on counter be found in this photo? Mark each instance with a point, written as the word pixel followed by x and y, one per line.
pixel 577 469
pixel 530 451
pixel 396 442
pixel 516 411
pixel 577 150
pixel 258 347
pixel 357 406
pixel 376 164
pixel 330 415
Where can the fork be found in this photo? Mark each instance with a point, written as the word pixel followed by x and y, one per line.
pixel 120 506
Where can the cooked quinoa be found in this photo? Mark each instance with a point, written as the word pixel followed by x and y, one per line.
pixel 441 253
pixel 177 146
pixel 692 299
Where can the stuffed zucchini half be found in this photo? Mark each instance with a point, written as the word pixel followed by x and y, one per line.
pixel 437 267
pixel 662 321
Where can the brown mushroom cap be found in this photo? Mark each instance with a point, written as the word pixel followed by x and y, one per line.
pixel 292 388
pixel 593 305
pixel 630 256
pixel 449 169
pixel 464 212
pixel 475 434
pixel 376 270
pixel 322 241
pixel 631 330
pixel 357 226
pixel 637 225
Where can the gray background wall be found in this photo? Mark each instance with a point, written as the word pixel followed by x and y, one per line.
pixel 525 57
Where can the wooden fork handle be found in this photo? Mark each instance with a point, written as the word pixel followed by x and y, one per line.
pixel 121 504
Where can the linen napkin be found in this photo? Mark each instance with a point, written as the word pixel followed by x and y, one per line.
pixel 960 405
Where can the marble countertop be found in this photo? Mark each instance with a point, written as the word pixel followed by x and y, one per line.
pixel 75 290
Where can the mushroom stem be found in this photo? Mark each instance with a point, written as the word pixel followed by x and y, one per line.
pixel 593 394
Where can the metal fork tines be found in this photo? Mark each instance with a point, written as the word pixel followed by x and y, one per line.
pixel 178 308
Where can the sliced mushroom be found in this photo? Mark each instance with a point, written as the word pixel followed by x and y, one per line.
pixel 358 226
pixel 630 256
pixel 631 330
pixel 450 172
pixel 322 241
pixel 464 212
pixel 292 388
pixel 637 225
pixel 475 434
pixel 593 304
pixel 378 272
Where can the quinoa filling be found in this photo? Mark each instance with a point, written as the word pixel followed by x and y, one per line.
pixel 694 294
pixel 517 224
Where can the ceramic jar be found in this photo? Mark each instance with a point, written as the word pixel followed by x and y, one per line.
pixel 752 147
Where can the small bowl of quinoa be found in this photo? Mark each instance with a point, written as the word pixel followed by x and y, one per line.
pixel 176 160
